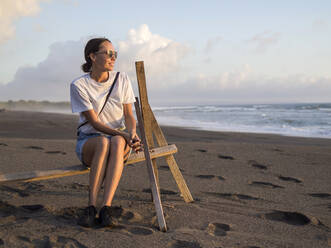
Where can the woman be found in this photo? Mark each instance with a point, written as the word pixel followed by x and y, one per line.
pixel 102 143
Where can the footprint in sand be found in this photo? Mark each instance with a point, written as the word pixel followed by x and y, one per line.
pixel 21 193
pixel 34 147
pixel 162 191
pixel 205 176
pixel 33 186
pixel 69 242
pixel 60 241
pixel 210 177
pixel 225 157
pixel 290 179
pixel 292 218
pixel 10 213
pixel 33 208
pixel 166 168
pixel 70 213
pixel 231 196
pixel 23 238
pixel 56 152
pixel 79 186
pixel 124 215
pixel 218 229
pixel 140 231
pixel 257 165
pixel 265 184
pixel 6 209
pixel 321 195
pixel 201 150
pixel 187 244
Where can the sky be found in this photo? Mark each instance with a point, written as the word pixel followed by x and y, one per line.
pixel 194 52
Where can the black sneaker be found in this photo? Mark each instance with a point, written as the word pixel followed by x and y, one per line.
pixel 105 218
pixel 88 218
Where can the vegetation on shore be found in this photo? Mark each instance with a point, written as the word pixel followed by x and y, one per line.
pixel 31 105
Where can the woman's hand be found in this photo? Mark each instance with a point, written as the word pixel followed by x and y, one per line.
pixel 133 141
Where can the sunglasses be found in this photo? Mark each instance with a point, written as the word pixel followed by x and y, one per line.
pixel 111 54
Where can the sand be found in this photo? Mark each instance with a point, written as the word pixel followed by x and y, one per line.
pixel 250 190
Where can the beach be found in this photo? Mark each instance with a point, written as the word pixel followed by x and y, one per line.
pixel 250 190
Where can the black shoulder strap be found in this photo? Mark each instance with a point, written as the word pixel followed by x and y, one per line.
pixel 110 90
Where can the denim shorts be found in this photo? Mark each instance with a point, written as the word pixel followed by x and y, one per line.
pixel 81 140
pixel 83 137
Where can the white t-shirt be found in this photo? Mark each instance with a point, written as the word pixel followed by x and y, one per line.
pixel 86 94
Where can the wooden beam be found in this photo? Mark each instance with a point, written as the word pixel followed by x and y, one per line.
pixel 80 169
pixel 151 174
pixel 146 112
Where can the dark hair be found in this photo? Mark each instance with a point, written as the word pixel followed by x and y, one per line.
pixel 92 46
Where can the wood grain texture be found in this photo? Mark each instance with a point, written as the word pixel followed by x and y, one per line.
pixel 151 174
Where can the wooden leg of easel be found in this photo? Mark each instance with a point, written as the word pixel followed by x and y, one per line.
pixel 156 172
pixel 156 130
pixel 186 194
pixel 184 190
pixel 151 126
pixel 145 113
pixel 152 178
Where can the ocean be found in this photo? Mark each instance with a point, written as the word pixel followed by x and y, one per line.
pixel 303 120
pixel 299 119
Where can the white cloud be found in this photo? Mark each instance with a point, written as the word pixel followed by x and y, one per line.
pixel 242 86
pixel 264 40
pixel 10 11
pixel 168 80
pixel 49 80
pixel 162 56
pixel 212 43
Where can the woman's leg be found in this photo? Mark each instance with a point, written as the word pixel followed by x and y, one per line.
pixel 114 168
pixel 95 154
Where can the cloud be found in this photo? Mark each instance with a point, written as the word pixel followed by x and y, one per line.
pixel 169 80
pixel 320 25
pixel 10 11
pixel 161 55
pixel 242 86
pixel 212 43
pixel 49 80
pixel 264 40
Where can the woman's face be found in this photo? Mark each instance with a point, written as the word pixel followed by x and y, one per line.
pixel 101 59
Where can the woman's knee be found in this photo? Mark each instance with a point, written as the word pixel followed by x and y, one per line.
pixel 102 143
pixel 97 145
pixel 117 142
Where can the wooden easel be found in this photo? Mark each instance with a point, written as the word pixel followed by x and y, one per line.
pixel 149 126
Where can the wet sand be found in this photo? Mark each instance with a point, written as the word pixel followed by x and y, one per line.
pixel 250 190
